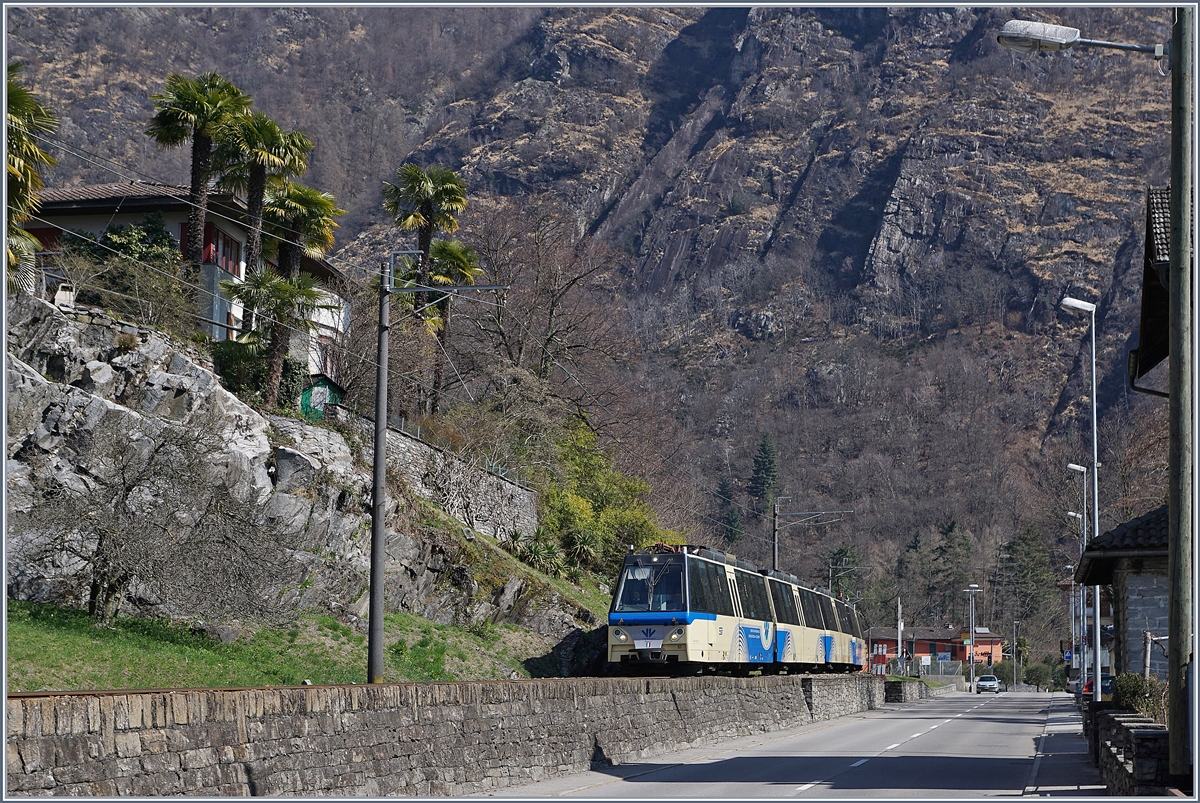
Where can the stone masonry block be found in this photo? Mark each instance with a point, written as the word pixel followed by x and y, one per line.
pixel 128 744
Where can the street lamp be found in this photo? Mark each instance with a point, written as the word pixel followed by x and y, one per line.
pixel 1071 603
pixel 1081 677
pixel 1027 37
pixel 1084 307
pixel 1016 676
pixel 971 590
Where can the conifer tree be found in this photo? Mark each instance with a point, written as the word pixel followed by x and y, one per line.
pixel 764 480
pixel 724 492
pixel 735 527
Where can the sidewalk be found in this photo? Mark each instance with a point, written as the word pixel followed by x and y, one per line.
pixel 1062 768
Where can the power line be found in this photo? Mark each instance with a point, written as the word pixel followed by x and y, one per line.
pixel 356 285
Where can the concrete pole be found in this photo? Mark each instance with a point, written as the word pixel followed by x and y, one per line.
pixel 1147 643
pixel 1180 404
pixel 379 489
pixel 1095 523
pixel 1014 655
pixel 775 536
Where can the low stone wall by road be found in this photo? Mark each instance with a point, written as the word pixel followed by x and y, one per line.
pixel 395 739
pixel 907 691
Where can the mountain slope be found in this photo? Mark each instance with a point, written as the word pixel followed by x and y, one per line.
pixel 848 227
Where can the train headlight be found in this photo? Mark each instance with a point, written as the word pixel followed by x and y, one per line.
pixel 620 635
pixel 676 634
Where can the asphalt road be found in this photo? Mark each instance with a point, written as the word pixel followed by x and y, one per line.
pixel 959 745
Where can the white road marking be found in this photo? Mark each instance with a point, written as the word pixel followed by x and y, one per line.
pixel 859 763
pixel 808 786
pixel 892 747
pixel 915 735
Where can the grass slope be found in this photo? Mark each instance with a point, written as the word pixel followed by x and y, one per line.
pixel 52 649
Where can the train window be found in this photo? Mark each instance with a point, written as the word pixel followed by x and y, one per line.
pixel 700 596
pixel 831 622
pixel 721 590
pixel 708 588
pixel 812 610
pixel 753 594
pixel 631 591
pixel 849 619
pixel 785 602
pixel 656 587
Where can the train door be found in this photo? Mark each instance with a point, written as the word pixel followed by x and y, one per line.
pixel 756 629
pixel 835 652
pixel 787 621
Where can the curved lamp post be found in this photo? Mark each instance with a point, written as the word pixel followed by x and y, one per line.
pixel 1081 619
pixel 1028 37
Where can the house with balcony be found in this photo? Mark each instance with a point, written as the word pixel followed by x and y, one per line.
pixel 94 208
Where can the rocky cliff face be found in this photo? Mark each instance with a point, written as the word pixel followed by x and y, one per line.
pixel 86 391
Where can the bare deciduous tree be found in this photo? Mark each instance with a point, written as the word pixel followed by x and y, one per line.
pixel 146 518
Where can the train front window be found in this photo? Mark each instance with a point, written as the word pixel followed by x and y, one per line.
pixel 650 585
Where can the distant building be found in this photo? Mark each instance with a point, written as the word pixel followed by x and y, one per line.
pixel 937 643
pixel 94 208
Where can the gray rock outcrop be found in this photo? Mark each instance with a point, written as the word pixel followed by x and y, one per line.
pixel 87 393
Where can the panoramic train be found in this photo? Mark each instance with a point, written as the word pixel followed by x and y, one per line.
pixel 689 610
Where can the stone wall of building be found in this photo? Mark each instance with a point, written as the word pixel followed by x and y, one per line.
pixel 395 739
pixel 1140 588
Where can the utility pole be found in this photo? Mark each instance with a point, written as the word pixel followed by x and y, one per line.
pixel 1181 377
pixel 899 634
pixel 387 273
pixel 775 533
pixel 379 486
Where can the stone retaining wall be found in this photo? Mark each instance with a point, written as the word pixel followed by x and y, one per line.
pixel 395 739
pixel 480 499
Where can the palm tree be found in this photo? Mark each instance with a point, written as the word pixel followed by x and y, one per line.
pixel 253 293
pixel 451 263
pixel 300 220
pixel 27 118
pixel 425 201
pixel 194 108
pixel 251 150
pixel 287 304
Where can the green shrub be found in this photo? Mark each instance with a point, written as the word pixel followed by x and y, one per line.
pixel 242 367
pixel 1039 675
pixel 1130 691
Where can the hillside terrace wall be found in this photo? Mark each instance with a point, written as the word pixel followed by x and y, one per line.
pixel 480 499
pixel 394 739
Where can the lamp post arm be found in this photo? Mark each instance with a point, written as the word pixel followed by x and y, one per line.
pixel 1159 51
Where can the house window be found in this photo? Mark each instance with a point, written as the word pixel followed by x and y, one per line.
pixel 229 253
pixel 219 248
